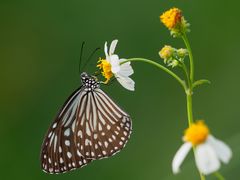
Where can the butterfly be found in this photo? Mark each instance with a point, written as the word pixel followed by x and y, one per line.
pixel 89 126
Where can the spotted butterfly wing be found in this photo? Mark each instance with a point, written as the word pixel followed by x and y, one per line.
pixel 89 126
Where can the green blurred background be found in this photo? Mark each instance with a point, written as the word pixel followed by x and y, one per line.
pixel 39 53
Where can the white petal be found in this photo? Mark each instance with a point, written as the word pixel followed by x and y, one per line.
pixel 126 82
pixel 106 49
pixel 113 46
pixel 126 69
pixel 206 159
pixel 223 151
pixel 114 61
pixel 180 156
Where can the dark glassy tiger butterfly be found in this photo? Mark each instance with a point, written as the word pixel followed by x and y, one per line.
pixel 89 126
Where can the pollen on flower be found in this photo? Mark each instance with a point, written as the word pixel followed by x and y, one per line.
pixel 171 18
pixel 197 133
pixel 105 67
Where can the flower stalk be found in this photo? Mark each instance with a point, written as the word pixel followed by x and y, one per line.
pixel 219 176
pixel 175 76
pixel 186 41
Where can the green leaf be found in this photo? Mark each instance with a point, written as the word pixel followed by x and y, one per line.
pixel 200 82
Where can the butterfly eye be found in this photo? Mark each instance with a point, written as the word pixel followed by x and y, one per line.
pixel 84 75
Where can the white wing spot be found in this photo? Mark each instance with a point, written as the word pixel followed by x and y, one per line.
pixel 50 134
pixel 122 138
pixel 96 146
pixel 120 143
pixel 92 153
pixel 87 141
pixel 67 132
pixel 116 132
pixel 103 133
pixel 108 127
pixel 69 155
pixel 95 136
pixel 80 133
pixel 49 160
pixel 54 125
pixel 67 142
pixel 61 160
pixel 104 152
pixel 78 153
pixel 125 133
pixel 60 149
pixel 106 144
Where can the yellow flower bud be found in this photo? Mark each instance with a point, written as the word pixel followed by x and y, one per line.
pixel 166 52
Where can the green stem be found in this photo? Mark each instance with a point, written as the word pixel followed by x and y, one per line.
pixel 185 39
pixel 186 73
pixel 188 96
pixel 202 177
pixel 182 83
pixel 219 176
pixel 189 106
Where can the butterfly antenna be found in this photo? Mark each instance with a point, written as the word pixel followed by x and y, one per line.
pixel 91 55
pixel 81 54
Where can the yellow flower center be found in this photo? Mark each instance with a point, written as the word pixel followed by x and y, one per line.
pixel 197 133
pixel 171 18
pixel 105 67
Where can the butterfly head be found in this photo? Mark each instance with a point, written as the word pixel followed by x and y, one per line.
pixel 89 82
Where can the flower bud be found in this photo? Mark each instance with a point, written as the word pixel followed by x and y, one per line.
pixel 166 53
pixel 181 53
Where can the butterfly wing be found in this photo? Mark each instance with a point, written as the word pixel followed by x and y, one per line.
pixel 104 128
pixel 59 152
pixel 89 126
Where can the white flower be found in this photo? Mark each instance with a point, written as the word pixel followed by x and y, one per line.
pixel 209 151
pixel 112 66
pixel 120 71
